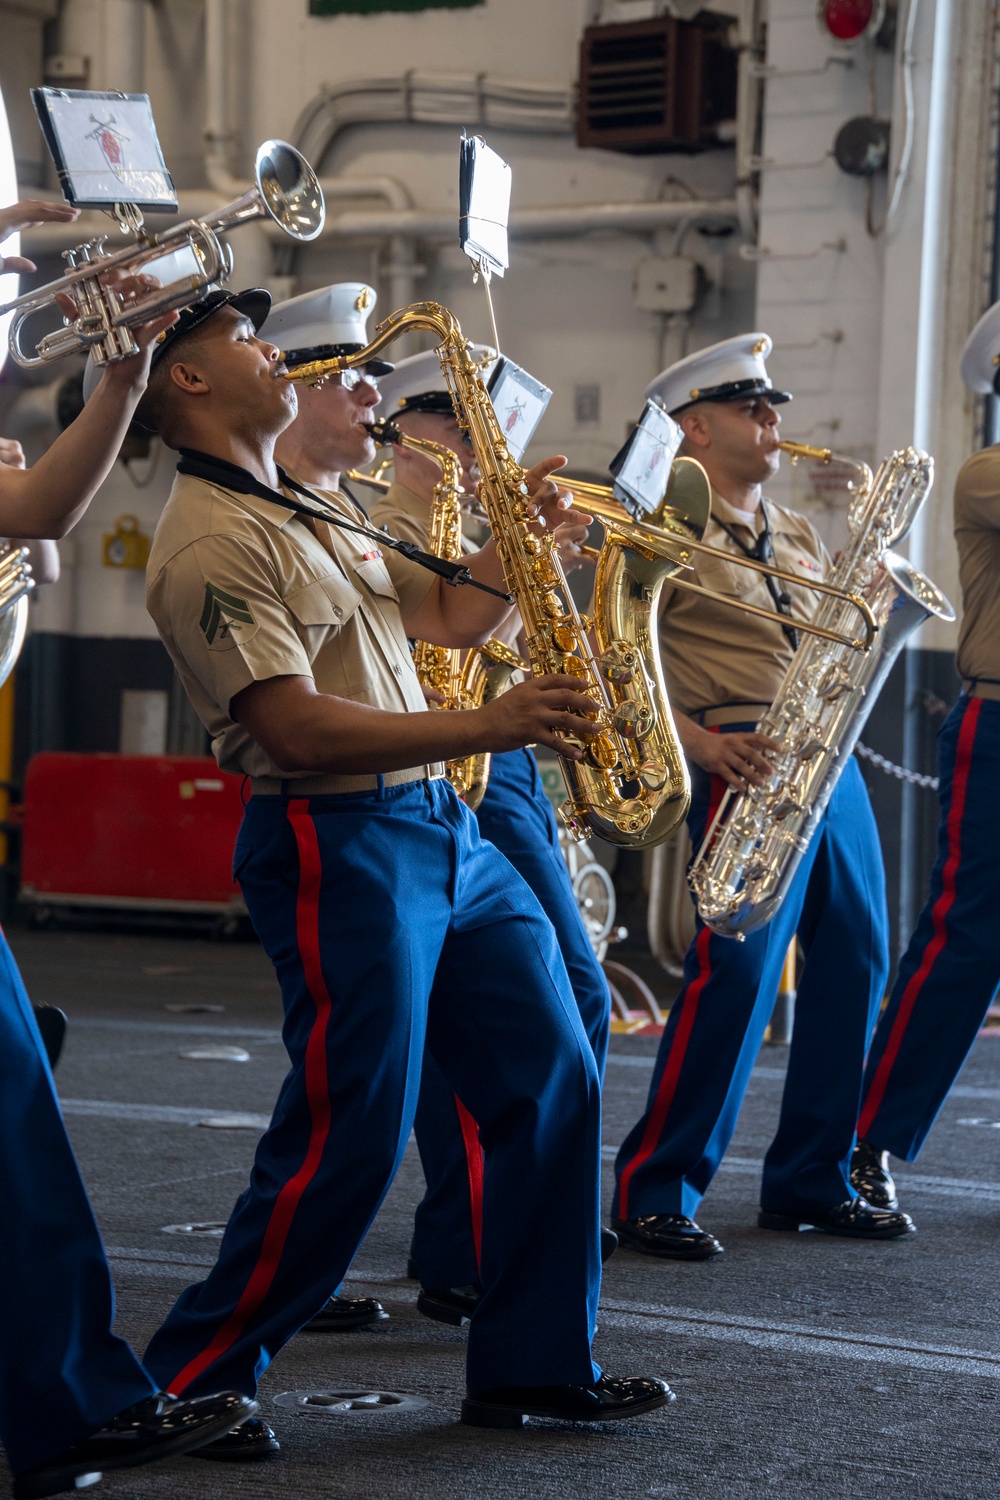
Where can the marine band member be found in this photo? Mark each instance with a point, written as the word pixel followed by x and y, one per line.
pixel 517 817
pixel 74 1399
pixel 949 974
pixel 388 920
pixel 723 668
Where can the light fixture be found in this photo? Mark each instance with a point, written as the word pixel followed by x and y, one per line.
pixel 851 20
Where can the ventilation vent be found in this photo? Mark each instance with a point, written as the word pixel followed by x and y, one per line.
pixel 662 85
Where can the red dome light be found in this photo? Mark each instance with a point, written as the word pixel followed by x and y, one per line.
pixel 850 20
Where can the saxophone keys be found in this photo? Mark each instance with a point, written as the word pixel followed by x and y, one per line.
pixel 563 638
pixel 810 748
pixel 632 816
pixel 619 662
pixel 785 807
pixel 573 818
pixel 633 720
pixel 652 775
pixel 601 752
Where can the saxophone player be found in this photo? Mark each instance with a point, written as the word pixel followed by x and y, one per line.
pixel 949 974
pixel 387 918
pixel 723 668
pixel 516 816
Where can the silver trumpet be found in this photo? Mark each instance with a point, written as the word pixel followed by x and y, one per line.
pixel 287 191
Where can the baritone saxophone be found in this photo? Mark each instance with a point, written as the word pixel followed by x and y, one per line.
pixel 632 785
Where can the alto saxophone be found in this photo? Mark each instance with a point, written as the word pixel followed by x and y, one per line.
pixel 486 671
pixel 752 849
pixel 632 785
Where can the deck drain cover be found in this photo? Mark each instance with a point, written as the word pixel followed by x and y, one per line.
pixel 347 1403
pixel 205 1230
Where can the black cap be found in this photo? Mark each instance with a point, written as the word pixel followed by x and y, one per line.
pixel 255 304
pixel 736 390
pixel 430 401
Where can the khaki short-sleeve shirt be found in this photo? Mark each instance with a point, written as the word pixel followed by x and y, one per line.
pixel 242 590
pixel 715 654
pixel 977 533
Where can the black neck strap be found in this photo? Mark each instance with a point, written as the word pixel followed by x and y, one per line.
pixel 763 551
pixel 219 471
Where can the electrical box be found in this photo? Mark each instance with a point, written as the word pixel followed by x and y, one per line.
pixel 659 85
pixel 665 283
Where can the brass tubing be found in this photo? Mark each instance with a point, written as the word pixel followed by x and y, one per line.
pixel 600 501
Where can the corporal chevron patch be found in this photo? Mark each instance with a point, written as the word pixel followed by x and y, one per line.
pixel 222 613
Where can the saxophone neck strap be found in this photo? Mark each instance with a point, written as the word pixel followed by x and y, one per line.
pixel 219 471
pixel 763 551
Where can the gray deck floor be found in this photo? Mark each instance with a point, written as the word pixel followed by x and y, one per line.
pixel 804 1366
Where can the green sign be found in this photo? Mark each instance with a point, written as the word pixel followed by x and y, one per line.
pixel 375 7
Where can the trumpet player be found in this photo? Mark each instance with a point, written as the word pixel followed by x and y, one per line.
pixel 949 974
pixel 516 816
pixel 74 1398
pixel 722 669
pixel 389 921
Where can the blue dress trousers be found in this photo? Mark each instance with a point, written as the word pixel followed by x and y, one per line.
pixel 709 1046
pixel 517 817
pixel 390 923
pixel 950 972
pixel 63 1373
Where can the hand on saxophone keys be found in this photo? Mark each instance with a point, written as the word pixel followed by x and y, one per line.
pixel 543 711
pixel 550 501
pixel 739 758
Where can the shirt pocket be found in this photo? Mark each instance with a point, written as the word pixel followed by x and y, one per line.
pixel 726 578
pixel 374 574
pixel 328 601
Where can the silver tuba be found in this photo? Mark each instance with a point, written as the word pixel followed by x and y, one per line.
pixel 752 849
pixel 287 191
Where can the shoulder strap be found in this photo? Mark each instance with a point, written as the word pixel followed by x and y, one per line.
pixel 229 476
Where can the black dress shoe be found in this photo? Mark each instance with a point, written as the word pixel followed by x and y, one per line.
pixel 870 1176
pixel 341 1314
pixel 245 1444
pixel 609 1244
pixel 855 1219
pixel 52 1024
pixel 606 1401
pixel 671 1236
pixel 156 1427
pixel 453 1304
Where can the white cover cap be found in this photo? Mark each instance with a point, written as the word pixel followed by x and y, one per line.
pixel 727 371
pixel 316 325
pixel 980 362
pixel 418 384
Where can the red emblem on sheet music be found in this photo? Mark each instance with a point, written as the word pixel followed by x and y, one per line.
pixel 110 141
pixel 515 412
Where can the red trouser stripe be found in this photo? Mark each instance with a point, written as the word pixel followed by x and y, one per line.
pixel 678 1047
pixel 317 1095
pixel 942 906
pixel 474 1166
